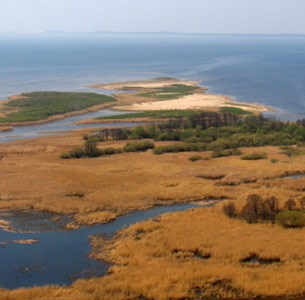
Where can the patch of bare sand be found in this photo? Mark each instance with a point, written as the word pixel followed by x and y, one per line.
pixel 196 101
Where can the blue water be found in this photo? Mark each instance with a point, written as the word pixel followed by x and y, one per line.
pixel 61 126
pixel 266 70
pixel 60 257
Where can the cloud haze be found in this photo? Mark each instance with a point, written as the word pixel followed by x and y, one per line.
pixel 204 16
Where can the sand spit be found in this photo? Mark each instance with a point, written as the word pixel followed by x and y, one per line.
pixel 197 101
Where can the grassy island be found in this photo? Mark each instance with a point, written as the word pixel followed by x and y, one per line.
pixel 38 106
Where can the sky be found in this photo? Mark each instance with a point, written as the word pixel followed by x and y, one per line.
pixel 187 16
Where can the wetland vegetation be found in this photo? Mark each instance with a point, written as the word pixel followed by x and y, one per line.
pixel 37 106
pixel 216 252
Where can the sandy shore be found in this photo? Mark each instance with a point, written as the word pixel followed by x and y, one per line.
pixel 198 101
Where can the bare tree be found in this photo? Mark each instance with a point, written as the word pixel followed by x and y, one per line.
pixel 302 202
pixel 229 210
pixel 290 204
pixel 273 203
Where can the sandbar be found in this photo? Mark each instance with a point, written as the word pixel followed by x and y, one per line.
pixel 198 101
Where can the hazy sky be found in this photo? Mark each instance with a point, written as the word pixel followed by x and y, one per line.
pixel 204 16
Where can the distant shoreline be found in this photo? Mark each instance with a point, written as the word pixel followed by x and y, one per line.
pixel 54 32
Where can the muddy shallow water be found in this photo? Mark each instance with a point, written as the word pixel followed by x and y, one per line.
pixel 60 257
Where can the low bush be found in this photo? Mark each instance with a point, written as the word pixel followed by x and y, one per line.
pixel 65 155
pixel 292 151
pixel 195 158
pixel 236 152
pixel 221 153
pixel 108 151
pixel 274 160
pixel 290 219
pixel 139 146
pixel 254 156
pixel 158 151
pixel 77 153
pixel 196 147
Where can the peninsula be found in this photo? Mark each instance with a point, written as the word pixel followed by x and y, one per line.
pixel 158 95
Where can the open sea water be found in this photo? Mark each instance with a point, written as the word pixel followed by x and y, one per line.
pixel 268 70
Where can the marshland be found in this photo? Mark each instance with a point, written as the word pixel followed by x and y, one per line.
pixel 161 188
pixel 92 177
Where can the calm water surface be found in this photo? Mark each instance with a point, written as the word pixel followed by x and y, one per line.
pixel 60 257
pixel 267 70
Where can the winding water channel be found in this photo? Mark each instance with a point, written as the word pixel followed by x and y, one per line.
pixel 60 256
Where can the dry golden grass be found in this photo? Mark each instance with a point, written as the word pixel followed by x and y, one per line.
pixel 96 190
pixel 154 259
pixel 6 128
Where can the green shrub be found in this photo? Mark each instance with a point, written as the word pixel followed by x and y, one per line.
pixel 194 158
pixel 65 155
pixel 77 153
pixel 221 153
pixel 158 151
pixel 139 146
pixel 254 156
pixel 139 133
pixel 291 151
pixel 226 153
pixel 236 152
pixel 274 160
pixel 91 149
pixel 96 137
pixel 130 148
pixel 108 151
pixel 290 219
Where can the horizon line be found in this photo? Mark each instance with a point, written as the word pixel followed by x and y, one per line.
pixel 151 32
